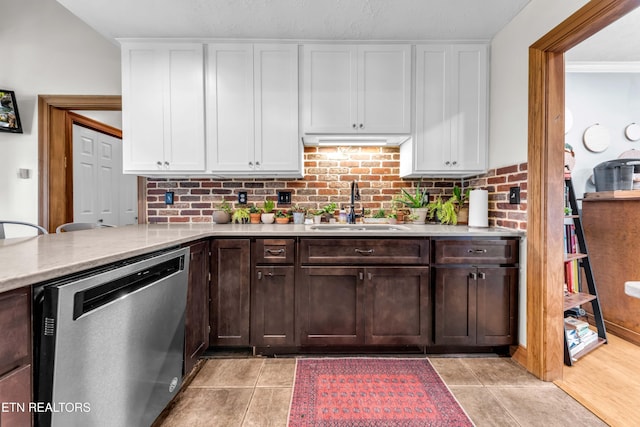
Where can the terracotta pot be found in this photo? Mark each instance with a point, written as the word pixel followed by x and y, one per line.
pixel 282 220
pixel 255 218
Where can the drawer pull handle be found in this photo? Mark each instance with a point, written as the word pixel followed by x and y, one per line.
pixel 473 276
pixel 477 251
pixel 361 275
pixel 482 276
pixel 259 275
pixel 365 252
pixel 274 251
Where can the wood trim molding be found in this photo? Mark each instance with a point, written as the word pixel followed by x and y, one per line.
pixel 53 207
pixel 545 189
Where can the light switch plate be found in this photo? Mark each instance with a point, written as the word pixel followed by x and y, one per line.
pixel 514 195
pixel 168 197
pixel 284 197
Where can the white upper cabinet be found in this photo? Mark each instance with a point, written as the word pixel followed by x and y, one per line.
pixel 163 107
pixel 252 110
pixel 451 112
pixel 357 89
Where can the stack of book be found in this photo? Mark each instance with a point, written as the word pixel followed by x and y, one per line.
pixel 571 272
pixel 578 334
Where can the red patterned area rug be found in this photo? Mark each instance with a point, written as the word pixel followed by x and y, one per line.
pixel 372 392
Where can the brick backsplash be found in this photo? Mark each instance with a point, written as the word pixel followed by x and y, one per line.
pixel 328 175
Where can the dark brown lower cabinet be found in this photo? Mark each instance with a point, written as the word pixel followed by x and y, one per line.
pixel 397 305
pixel 196 339
pixel 230 285
pixel 15 357
pixel 272 306
pixel 475 306
pixel 346 306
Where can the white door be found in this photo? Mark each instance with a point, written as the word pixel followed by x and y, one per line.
pixel 433 126
pixel 330 76
pixel 277 147
pixel 230 126
pixel 101 193
pixel 384 89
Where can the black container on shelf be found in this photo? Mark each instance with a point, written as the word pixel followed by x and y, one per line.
pixel 615 174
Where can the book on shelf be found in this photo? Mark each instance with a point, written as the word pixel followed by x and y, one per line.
pixel 575 324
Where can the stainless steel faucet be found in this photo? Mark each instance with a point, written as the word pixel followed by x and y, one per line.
pixel 355 196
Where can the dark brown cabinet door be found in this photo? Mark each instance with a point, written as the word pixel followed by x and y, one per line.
pixel 455 306
pixel 15 389
pixel 272 306
pixel 397 301
pixel 15 356
pixel 229 312
pixel 197 314
pixel 497 306
pixel 330 306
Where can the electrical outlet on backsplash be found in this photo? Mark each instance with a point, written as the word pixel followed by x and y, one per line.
pixel 327 179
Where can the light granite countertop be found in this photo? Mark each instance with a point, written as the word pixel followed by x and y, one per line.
pixel 30 260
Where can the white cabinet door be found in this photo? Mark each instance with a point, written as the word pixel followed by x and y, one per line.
pixel 330 88
pixel 357 89
pixel 277 146
pixel 163 107
pixel 230 126
pixel 384 89
pixel 469 102
pixel 451 111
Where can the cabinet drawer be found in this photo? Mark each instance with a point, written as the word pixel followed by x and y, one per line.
pixel 274 251
pixel 475 251
pixel 15 321
pixel 364 251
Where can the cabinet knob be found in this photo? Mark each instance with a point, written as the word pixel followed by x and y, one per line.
pixel 250 164
pixel 361 126
pixel 447 163
pixel 355 126
pixel 159 163
pixel 166 165
pixel 454 163
pixel 258 165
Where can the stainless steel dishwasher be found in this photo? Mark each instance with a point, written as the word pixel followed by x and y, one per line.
pixel 109 345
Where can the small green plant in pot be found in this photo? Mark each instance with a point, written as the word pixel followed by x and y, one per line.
pixel 447 211
pixel 417 203
pixel 460 200
pixel 282 217
pixel 254 214
pixel 240 216
pixel 298 214
pixel 268 215
pixel 222 214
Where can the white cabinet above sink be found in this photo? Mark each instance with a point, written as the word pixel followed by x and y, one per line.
pixel 356 89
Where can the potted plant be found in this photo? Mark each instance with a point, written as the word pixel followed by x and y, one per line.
pixel 282 217
pixel 268 215
pixel 329 209
pixel 317 216
pixel 240 215
pixel 378 217
pixel 460 199
pixel 416 203
pixel 254 214
pixel 221 214
pixel 298 214
pixel 392 218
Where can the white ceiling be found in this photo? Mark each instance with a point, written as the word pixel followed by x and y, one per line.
pixel 298 19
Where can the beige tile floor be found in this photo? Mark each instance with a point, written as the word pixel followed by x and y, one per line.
pixel 256 392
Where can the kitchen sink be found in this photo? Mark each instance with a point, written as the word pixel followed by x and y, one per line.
pixel 358 227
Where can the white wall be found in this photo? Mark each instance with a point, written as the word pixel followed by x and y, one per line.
pixel 613 101
pixel 45 50
pixel 510 77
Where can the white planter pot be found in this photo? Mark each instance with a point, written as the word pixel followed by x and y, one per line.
pixel 267 218
pixel 421 213
pixel 298 217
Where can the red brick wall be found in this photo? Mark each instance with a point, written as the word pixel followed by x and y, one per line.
pixel 328 175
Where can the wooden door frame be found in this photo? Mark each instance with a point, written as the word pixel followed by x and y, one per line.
pixel 545 200
pixel 55 119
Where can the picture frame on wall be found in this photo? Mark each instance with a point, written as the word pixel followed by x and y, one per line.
pixel 9 116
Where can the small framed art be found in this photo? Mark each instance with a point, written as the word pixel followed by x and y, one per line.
pixel 9 117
